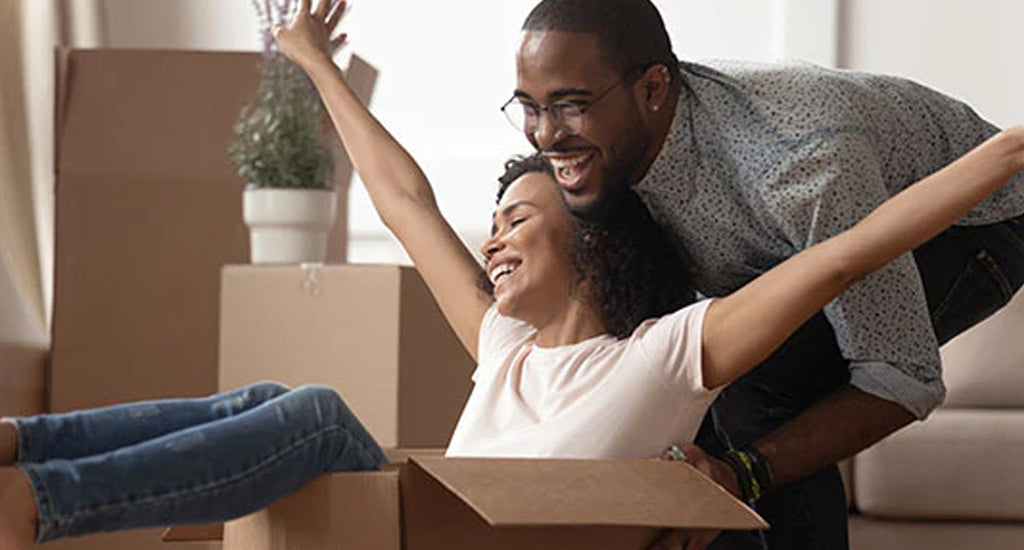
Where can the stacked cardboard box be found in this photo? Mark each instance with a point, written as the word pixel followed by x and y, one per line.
pixel 373 333
pixel 22 379
pixel 148 210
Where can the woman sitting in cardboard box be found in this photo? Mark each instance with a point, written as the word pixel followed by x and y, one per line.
pixel 587 344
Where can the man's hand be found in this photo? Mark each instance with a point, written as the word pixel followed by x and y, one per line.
pixel 308 38
pixel 719 472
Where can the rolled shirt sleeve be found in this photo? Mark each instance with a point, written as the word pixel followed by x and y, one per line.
pixel 882 323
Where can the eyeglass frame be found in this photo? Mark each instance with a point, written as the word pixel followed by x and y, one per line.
pixel 561 104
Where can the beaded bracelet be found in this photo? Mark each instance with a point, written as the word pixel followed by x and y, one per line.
pixel 752 471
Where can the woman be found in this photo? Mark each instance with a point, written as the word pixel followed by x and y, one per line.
pixel 551 381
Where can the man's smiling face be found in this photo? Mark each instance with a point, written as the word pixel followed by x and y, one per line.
pixel 602 158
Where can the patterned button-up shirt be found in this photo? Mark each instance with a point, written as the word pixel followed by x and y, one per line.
pixel 763 161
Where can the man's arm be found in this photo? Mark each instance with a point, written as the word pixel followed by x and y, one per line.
pixel 883 321
pixel 839 426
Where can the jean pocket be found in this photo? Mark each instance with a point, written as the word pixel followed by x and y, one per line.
pixel 979 290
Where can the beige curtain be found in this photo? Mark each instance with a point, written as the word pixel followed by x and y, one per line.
pixel 29 32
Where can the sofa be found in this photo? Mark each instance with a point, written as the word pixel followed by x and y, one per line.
pixel 955 480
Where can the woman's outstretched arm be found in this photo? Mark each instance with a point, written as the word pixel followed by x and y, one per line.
pixel 744 328
pixel 399 190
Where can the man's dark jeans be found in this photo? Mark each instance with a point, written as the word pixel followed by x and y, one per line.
pixel 968 273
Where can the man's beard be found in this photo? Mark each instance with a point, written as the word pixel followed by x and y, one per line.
pixel 601 209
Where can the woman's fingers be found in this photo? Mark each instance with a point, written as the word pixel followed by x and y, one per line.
pixel 338 42
pixel 321 9
pixel 304 6
pixel 336 12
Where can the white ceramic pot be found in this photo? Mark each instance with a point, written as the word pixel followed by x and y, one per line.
pixel 288 226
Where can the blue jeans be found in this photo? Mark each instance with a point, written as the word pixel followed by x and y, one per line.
pixel 968 273
pixel 182 461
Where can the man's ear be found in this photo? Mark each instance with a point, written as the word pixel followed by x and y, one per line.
pixel 655 84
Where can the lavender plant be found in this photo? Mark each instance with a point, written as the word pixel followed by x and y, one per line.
pixel 281 141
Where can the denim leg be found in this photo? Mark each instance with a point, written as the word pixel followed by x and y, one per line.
pixel 970 272
pixel 810 513
pixel 94 431
pixel 216 471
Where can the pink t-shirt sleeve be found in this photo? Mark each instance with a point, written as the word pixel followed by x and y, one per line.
pixel 499 335
pixel 673 346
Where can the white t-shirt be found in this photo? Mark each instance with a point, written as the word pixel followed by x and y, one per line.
pixel 600 398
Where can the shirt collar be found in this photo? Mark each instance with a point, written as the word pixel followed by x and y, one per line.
pixel 675 163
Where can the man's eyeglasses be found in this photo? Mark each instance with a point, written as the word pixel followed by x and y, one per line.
pixel 566 116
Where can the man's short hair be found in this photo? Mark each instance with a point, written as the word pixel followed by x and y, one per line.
pixel 631 33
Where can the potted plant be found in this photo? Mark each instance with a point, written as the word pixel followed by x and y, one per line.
pixel 284 156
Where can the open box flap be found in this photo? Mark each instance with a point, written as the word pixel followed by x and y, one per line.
pixel 543 492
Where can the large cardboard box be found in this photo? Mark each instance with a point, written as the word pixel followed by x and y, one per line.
pixel 373 333
pixel 148 209
pixel 434 503
pixel 22 379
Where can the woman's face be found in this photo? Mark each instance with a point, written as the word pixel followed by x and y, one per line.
pixel 528 252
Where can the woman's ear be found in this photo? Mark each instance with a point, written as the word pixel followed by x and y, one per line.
pixel 655 84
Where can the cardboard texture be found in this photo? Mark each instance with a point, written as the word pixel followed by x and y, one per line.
pixel 458 504
pixel 22 379
pixel 194 533
pixel 148 209
pixel 359 511
pixel 374 333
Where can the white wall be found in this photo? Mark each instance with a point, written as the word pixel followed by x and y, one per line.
pixel 971 49
pixel 446 67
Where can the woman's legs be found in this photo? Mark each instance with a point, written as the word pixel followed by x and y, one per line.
pixel 216 471
pixel 95 431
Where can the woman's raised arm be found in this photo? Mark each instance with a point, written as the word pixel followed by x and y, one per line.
pixel 399 190
pixel 744 328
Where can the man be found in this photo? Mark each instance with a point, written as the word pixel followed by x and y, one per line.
pixel 745 166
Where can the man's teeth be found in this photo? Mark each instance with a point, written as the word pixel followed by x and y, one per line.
pixel 566 167
pixel 568 163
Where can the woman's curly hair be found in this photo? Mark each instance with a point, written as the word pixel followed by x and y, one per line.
pixel 633 271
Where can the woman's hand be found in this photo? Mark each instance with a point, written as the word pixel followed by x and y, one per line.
pixel 307 40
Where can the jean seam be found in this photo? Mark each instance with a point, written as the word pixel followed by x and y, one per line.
pixel 65 520
pixel 44 504
pixel 1015 240
pixel 940 310
pixel 997 274
pixel 23 448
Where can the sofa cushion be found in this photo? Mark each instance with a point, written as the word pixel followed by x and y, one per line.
pixel 876 534
pixel 958 464
pixel 984 366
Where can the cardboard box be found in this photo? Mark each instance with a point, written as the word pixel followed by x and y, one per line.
pixel 497 504
pixel 22 379
pixel 374 333
pixel 148 209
